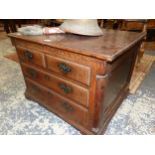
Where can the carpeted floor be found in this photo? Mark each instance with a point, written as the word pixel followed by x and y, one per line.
pixel 6 47
pixel 21 116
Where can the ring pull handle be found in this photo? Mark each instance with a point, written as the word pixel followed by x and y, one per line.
pixel 32 73
pixel 64 68
pixel 67 107
pixel 65 88
pixel 28 55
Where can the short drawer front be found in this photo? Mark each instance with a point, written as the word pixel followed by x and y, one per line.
pixel 69 69
pixel 31 57
pixel 56 103
pixel 65 88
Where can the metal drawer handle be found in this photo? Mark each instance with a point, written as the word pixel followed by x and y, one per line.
pixel 32 73
pixel 67 107
pixel 28 55
pixel 64 68
pixel 65 88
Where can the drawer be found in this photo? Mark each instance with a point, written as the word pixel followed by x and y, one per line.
pixel 56 103
pixel 62 86
pixel 69 69
pixel 31 56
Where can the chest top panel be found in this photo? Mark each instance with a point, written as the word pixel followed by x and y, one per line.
pixel 107 47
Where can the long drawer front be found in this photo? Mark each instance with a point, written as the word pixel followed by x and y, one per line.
pixel 66 88
pixel 56 103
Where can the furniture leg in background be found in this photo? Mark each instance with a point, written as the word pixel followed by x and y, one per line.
pixel 136 25
pixel 10 25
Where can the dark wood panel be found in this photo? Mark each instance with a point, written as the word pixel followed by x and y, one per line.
pixel 110 85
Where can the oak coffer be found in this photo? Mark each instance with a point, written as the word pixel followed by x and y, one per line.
pixel 81 79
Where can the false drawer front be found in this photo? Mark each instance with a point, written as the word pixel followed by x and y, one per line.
pixel 56 103
pixel 64 87
pixel 31 56
pixel 69 69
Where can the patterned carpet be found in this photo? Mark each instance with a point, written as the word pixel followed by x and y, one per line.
pixel 19 116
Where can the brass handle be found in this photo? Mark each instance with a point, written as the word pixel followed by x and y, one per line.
pixel 64 68
pixel 67 107
pixel 65 88
pixel 32 73
pixel 28 55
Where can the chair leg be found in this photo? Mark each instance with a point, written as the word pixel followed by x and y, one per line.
pixel 13 25
pixel 6 25
pixel 102 23
pixel 142 48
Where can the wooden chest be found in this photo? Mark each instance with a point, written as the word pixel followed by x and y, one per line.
pixel 81 79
